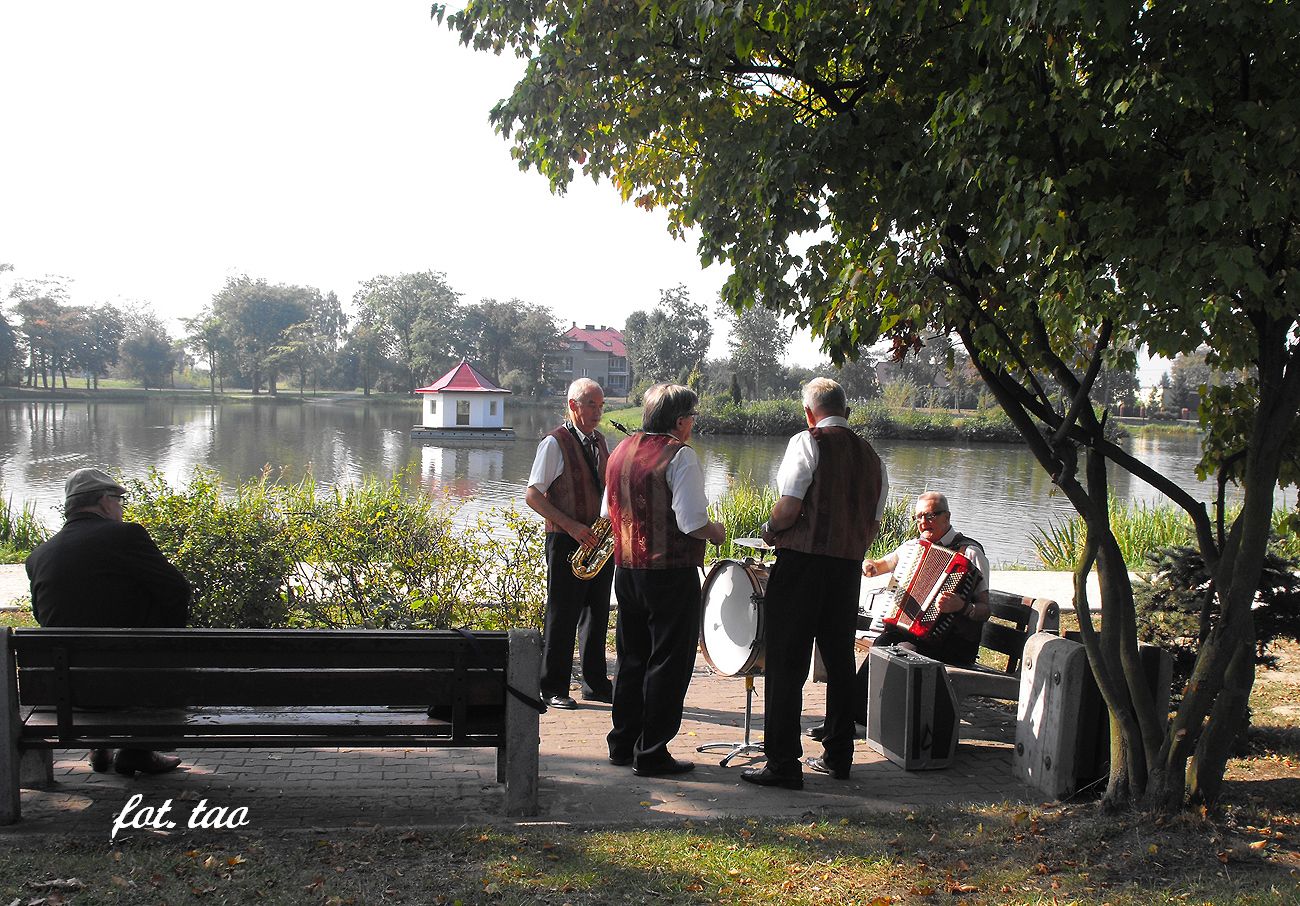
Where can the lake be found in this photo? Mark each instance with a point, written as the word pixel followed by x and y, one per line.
pixel 997 492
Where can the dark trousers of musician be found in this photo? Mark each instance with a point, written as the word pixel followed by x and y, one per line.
pixel 810 599
pixel 657 633
pixel 574 607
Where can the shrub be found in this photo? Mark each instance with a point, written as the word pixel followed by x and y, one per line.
pixel 1169 606
pixel 235 551
pixel 361 556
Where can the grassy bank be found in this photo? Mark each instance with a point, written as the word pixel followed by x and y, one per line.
pixel 782 418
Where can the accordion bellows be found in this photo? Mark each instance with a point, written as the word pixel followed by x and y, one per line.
pixel 918 582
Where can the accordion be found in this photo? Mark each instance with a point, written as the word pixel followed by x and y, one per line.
pixel 917 584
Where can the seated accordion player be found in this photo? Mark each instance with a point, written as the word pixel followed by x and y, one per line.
pixel 917 584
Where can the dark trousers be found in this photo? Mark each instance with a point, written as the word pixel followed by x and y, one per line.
pixel 810 599
pixel 656 637
pixel 574 607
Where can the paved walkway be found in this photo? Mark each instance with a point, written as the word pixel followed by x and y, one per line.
pixel 333 788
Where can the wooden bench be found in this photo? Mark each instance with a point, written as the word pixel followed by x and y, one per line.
pixel 1012 621
pixel 258 688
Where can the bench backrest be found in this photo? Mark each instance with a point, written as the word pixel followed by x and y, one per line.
pixel 1013 620
pixel 107 668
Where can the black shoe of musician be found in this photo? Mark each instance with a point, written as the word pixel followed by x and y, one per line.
pixel 607 696
pixel 133 761
pixel 563 702
pixel 664 767
pixel 821 766
pixel 768 777
pixel 101 760
pixel 818 732
pixel 620 760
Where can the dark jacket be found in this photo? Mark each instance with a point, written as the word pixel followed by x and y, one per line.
pixel 99 572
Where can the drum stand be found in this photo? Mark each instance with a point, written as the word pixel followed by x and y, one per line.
pixel 736 749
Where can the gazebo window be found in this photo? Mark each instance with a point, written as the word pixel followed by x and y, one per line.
pixel 433 404
pixel 492 408
pixel 462 412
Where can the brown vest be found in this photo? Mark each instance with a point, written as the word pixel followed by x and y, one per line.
pixel 641 506
pixel 839 507
pixel 575 492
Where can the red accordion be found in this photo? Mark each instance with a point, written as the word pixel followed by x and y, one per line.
pixel 917 584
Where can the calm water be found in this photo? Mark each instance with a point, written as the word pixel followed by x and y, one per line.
pixel 997 492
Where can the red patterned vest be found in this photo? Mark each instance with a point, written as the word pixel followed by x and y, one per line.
pixel 839 506
pixel 641 506
pixel 575 492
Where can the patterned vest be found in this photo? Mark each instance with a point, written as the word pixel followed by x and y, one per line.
pixel 575 492
pixel 641 506
pixel 967 629
pixel 839 506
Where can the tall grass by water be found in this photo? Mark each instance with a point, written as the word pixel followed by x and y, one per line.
pixel 1139 528
pixel 20 530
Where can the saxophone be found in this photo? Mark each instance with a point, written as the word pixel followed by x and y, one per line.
pixel 586 562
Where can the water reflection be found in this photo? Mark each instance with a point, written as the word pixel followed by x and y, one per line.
pixel 997 491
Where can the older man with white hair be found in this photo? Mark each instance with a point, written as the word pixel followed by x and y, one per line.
pixel 832 489
pixel 566 487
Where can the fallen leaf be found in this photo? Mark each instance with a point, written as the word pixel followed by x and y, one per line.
pixel 1259 844
pixel 1152 849
pixel 235 860
pixel 119 880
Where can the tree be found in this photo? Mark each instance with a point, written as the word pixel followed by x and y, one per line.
pixel 1024 174
pixel 147 349
pixel 98 344
pixel 417 320
pixel 254 316
pixel 40 306
pixel 207 336
pixel 669 341
pixel 511 337
pixel 758 343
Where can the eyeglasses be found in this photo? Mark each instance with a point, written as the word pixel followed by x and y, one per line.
pixel 930 517
pixel 124 497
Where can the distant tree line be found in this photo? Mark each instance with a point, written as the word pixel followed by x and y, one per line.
pixel 400 331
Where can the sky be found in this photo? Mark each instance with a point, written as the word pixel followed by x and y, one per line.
pixel 149 150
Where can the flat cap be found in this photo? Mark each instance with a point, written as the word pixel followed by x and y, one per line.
pixel 84 481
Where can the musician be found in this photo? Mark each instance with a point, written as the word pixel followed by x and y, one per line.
pixel 960 644
pixel 832 488
pixel 565 488
pixel 655 500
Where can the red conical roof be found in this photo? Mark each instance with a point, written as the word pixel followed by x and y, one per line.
pixel 464 378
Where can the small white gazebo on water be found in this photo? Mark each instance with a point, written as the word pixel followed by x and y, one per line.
pixel 463 405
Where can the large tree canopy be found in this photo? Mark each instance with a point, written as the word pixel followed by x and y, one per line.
pixel 1057 181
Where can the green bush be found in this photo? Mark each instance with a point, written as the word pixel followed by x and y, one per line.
pixel 362 556
pixel 235 551
pixel 1170 602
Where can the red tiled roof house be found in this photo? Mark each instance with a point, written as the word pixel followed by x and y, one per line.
pixel 594 352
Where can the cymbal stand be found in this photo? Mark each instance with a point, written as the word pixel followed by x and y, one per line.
pixel 736 749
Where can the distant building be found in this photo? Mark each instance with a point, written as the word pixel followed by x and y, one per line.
pixel 463 403
pixel 592 352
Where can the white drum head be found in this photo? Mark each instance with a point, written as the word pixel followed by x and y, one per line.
pixel 730 628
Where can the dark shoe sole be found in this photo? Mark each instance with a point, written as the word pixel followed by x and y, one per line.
pixel 621 761
pixel 101 760
pixel 563 703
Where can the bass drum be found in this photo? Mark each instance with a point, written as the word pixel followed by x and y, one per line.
pixel 731 620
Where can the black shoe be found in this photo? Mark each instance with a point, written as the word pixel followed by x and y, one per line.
pixel 621 760
pixel 767 777
pixel 821 766
pixel 818 732
pixel 664 768
pixel 101 760
pixel 606 697
pixel 133 761
pixel 563 702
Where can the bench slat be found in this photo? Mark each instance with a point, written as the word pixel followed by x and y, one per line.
pixel 96 688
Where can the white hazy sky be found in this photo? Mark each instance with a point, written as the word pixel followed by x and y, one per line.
pixel 149 150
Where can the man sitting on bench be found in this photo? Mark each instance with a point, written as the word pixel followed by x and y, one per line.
pixel 960 645
pixel 101 571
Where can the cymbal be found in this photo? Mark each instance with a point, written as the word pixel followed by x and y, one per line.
pixel 755 543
